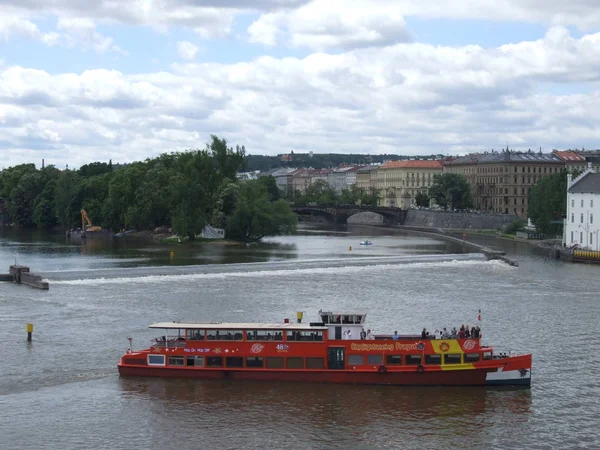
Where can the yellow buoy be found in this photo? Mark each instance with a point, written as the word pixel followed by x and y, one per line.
pixel 29 328
pixel 350 248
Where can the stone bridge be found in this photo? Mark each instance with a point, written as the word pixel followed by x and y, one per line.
pixel 340 214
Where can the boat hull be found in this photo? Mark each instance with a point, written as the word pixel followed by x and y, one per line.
pixel 475 377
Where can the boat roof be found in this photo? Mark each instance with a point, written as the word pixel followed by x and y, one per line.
pixel 236 326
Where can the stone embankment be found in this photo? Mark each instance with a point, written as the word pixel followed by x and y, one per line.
pixel 461 221
pixel 22 275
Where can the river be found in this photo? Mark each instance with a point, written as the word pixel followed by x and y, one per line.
pixel 63 391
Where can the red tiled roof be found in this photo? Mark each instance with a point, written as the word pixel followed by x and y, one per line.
pixel 569 156
pixel 415 164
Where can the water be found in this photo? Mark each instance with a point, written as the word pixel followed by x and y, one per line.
pixel 63 390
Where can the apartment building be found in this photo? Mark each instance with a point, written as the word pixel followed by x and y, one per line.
pixel 396 180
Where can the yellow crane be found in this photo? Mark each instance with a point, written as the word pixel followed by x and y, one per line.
pixel 85 218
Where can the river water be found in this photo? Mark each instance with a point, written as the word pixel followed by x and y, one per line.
pixel 63 391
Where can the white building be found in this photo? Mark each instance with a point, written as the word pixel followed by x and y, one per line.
pixel 582 224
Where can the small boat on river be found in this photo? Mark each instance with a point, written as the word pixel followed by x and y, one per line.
pixel 333 350
pixel 366 242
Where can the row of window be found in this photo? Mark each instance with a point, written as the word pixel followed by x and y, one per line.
pixel 573 203
pixel 239 362
pixel 501 169
pixel 253 335
pixel 278 362
pixel 591 242
pixel 573 218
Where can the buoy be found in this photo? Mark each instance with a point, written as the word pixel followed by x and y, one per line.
pixel 29 328
pixel 350 248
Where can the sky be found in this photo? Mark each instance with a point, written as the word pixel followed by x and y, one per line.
pixel 84 81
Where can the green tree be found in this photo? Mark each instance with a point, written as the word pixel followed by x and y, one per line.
pixel 320 193
pixel 451 191
pixel 227 160
pixel 44 210
pixel 66 202
pixel 270 183
pixel 548 202
pixel 422 199
pixel 255 216
pixel 226 201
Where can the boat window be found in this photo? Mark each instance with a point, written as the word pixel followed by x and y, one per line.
pixel 393 359
pixel 356 360
pixel 294 363
pixel 264 335
pixel 315 363
pixel 487 355
pixel 234 361
pixel 274 362
pixel 433 359
pixel 214 361
pixel 195 335
pixel 414 360
pixel 195 361
pixel 471 357
pixel 452 359
pixel 375 360
pixel 255 362
pixel 156 360
pixel 304 336
pixel 176 360
pixel 224 335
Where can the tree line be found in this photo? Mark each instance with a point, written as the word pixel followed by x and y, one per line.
pixel 186 190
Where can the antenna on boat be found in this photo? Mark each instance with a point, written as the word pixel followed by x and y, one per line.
pixel 130 344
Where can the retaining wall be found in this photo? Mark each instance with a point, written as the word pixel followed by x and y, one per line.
pixel 366 218
pixel 463 221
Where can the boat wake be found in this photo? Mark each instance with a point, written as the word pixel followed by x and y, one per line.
pixel 271 269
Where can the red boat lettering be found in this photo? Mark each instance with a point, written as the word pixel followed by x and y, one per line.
pixel 257 348
pixel 371 347
pixel 469 345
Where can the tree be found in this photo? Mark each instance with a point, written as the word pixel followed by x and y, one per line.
pixel 320 193
pixel 548 202
pixel 66 204
pixel 422 199
pixel 451 191
pixel 270 183
pixel 255 216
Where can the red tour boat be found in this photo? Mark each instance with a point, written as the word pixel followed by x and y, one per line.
pixel 327 351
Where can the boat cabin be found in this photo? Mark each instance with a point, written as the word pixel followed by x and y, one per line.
pixel 338 324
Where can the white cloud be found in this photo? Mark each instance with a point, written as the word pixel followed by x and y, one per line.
pixel 13 26
pixel 407 98
pixel 81 32
pixel 186 50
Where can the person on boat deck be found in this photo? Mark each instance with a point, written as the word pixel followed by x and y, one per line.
pixel 370 336
pixel 349 334
pixel 424 334
pixel 395 336
pixel 363 334
pixel 345 336
pixel 445 334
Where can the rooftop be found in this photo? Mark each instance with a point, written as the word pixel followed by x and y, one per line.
pixel 504 157
pixel 415 164
pixel 569 156
pixel 235 326
pixel 588 183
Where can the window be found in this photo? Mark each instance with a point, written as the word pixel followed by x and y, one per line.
pixel 356 360
pixel 581 237
pixel 581 217
pixel 304 336
pixel 195 361
pixel 591 218
pixel 176 360
pixel 487 355
pixel 274 362
pixel 393 359
pixel 156 360
pixel 255 362
pixel 195 335
pixel 234 361
pixel 452 359
pixel 433 359
pixel 572 238
pixel 471 357
pixel 413 359
pixel 214 361
pixel 315 363
pixel 591 234
pixel 375 360
pixel 224 335
pixel 572 218
pixel 294 363
pixel 582 203
pixel 591 203
pixel 264 335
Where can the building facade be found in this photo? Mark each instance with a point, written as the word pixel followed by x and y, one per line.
pixel 501 181
pixel 342 178
pixel 398 181
pixel 582 224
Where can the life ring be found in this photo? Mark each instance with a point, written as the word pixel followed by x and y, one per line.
pixel 444 347
pixel 382 369
pixel 420 368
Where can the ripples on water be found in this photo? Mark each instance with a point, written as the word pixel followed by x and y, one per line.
pixel 63 390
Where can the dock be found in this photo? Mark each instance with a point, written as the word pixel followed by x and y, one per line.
pixel 22 275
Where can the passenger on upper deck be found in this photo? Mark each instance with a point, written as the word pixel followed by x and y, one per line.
pixel 395 336
pixel 363 334
pixel 424 334
pixel 370 336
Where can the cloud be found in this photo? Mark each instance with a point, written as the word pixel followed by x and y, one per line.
pixel 82 33
pixel 407 98
pixel 186 50
pixel 12 26
pixel 324 24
